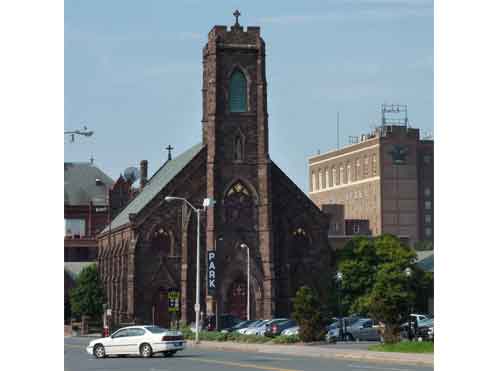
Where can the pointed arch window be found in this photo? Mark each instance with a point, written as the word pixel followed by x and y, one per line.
pixel 238 148
pixel 239 205
pixel 238 92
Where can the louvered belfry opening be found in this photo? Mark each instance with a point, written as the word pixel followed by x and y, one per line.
pixel 238 92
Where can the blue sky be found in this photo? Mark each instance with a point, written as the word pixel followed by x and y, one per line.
pixel 133 73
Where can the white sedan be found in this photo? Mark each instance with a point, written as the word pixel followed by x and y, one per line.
pixel 138 340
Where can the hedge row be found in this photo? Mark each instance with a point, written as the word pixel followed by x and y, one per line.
pixel 237 337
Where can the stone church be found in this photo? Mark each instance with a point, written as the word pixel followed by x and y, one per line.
pixel 150 246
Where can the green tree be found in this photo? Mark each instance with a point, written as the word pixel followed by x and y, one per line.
pixel 374 280
pixel 307 314
pixel 87 297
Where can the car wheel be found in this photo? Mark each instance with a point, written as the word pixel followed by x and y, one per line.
pixel 99 351
pixel 349 337
pixel 168 354
pixel 146 351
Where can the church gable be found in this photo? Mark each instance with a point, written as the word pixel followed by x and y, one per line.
pixel 155 185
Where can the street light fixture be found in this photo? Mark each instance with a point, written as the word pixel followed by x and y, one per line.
pixel 338 278
pixel 207 202
pixel 408 273
pixel 243 246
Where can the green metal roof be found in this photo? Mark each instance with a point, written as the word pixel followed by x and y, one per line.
pixel 155 184
pixel 80 186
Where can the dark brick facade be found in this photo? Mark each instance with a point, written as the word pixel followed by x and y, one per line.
pixel 256 205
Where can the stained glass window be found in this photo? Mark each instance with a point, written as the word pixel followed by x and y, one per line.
pixel 238 92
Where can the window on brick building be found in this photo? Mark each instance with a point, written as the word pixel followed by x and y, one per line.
pixel 374 165
pixel 320 172
pixel 428 205
pixel 365 167
pixel 74 227
pixel 238 148
pixel 428 232
pixel 327 178
pixel 427 191
pixel 428 218
pixel 238 92
pixel 341 180
pixel 334 177
pixel 349 176
pixel 313 181
pixel 358 169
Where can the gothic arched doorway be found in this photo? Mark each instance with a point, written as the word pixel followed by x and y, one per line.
pixel 160 313
pixel 237 299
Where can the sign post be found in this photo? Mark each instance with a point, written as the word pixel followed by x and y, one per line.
pixel 173 303
pixel 211 289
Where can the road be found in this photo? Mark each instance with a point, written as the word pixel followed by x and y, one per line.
pixel 76 359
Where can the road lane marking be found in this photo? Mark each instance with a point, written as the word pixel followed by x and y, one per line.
pixel 378 368
pixel 242 365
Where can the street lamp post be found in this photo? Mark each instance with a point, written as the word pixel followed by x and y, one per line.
pixel 243 246
pixel 408 273
pixel 338 278
pixel 207 202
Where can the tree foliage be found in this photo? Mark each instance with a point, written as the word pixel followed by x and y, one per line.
pixel 307 314
pixel 374 280
pixel 87 297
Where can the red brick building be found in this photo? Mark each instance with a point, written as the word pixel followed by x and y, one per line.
pixel 152 244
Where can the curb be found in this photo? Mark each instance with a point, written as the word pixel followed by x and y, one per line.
pixel 317 352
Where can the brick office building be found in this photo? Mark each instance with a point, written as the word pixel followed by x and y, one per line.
pixel 88 191
pixel 382 184
pixel 152 244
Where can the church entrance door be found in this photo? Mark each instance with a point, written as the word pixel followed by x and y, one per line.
pixel 160 308
pixel 237 300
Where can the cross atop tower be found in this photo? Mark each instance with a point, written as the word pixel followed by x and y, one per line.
pixel 236 15
pixel 169 149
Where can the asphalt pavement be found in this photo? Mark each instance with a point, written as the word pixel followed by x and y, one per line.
pixel 196 359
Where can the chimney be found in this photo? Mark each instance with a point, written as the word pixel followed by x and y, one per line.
pixel 144 173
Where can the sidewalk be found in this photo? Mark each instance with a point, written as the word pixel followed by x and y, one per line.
pixel 322 352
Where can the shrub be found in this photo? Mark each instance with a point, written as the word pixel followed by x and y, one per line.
pixel 307 315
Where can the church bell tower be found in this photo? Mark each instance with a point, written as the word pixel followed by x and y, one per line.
pixel 235 133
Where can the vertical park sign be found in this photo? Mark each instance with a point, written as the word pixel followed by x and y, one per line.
pixel 211 283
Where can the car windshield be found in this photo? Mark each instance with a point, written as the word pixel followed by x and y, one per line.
pixel 155 329
pixel 427 322
pixel 243 324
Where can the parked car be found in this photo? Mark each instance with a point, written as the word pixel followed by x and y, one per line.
pixel 240 325
pixel 419 319
pixel 138 340
pixel 426 330
pixel 226 321
pixel 333 334
pixel 275 328
pixel 363 329
pixel 249 330
pixel 261 328
pixel 291 331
